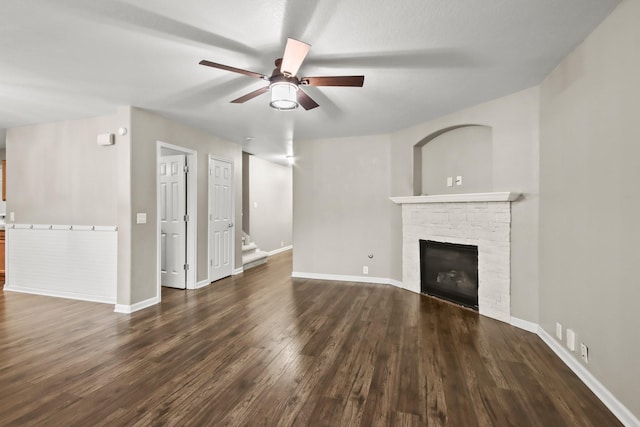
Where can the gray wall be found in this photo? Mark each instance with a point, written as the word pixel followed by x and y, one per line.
pixel 342 186
pixel 466 152
pixel 64 177
pixel 270 204
pixel 341 206
pixel 148 129
pixel 57 174
pixel 589 203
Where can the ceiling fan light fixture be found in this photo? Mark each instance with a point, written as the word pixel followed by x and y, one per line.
pixel 283 83
pixel 284 96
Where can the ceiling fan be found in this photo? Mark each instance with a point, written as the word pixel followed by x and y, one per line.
pixel 286 93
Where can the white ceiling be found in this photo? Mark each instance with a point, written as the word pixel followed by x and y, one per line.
pixel 421 59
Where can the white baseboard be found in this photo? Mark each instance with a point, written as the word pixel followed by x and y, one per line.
pixel 401 285
pixel 59 294
pixel 237 271
pixel 524 324
pixel 396 283
pixel 277 251
pixel 127 309
pixel 342 278
pixel 619 410
pixel 203 283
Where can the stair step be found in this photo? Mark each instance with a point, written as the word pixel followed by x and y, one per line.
pixel 250 247
pixel 253 259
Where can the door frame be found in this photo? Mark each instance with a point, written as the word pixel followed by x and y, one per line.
pixel 209 213
pixel 192 204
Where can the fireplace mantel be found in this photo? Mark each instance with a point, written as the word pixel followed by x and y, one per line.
pixel 458 198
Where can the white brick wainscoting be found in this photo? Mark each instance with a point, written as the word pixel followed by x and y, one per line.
pixel 479 219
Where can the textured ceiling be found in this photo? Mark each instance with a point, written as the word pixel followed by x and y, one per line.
pixel 421 59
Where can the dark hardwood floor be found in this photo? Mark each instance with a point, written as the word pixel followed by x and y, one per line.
pixel 264 349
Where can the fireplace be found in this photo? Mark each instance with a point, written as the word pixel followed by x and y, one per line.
pixel 482 220
pixel 449 271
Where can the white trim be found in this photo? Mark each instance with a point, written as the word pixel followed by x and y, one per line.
pixel 128 309
pixel 524 325
pixel 61 227
pixel 277 251
pixel 396 283
pixel 504 196
pixel 59 294
pixel 192 212
pixel 610 401
pixel 203 283
pixel 342 278
pixel 401 285
pixel 238 271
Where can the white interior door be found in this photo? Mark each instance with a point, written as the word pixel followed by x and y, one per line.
pixel 221 225
pixel 173 229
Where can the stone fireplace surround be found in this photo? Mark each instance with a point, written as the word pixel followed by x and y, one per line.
pixel 479 219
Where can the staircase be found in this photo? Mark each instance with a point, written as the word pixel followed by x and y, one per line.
pixel 251 255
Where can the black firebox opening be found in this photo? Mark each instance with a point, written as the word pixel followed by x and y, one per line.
pixel 449 271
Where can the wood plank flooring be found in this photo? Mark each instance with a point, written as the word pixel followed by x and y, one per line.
pixel 262 349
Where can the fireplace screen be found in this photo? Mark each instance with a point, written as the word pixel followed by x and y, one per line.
pixel 449 271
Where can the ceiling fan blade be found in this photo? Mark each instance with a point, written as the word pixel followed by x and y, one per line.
pixel 306 101
pixel 251 95
pixel 353 81
pixel 233 69
pixel 294 53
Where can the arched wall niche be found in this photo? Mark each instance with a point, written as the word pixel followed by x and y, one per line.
pixel 463 150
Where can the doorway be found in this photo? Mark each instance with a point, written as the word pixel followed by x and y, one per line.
pixel 173 221
pixel 221 219
pixel 176 198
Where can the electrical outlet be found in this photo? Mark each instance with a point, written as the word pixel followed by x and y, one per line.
pixel 365 269
pixel 584 352
pixel 559 331
pixel 571 340
pixel 141 218
pixel 281 244
pixel 449 181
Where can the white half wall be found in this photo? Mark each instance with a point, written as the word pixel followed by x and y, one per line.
pixel 78 262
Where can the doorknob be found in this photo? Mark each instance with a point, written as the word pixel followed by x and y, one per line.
pixel 230 224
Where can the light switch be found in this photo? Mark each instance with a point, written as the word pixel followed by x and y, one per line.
pixel 12 216
pixel 449 181
pixel 459 180
pixel 141 218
